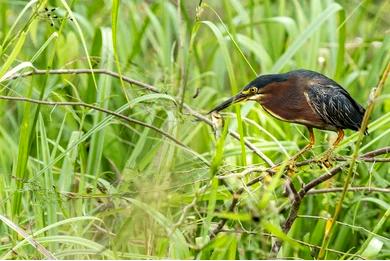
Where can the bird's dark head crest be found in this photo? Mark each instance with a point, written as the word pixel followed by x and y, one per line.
pixel 264 80
pixel 252 89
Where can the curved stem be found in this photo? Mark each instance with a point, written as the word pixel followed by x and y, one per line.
pixel 329 227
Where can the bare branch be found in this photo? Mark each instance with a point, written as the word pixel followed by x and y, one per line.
pixel 236 197
pixel 377 152
pixel 234 134
pixel 298 196
pixel 146 86
pixel 296 203
pixel 27 237
pixel 83 71
pixel 364 157
pixel 113 113
pixel 351 189
pixel 240 231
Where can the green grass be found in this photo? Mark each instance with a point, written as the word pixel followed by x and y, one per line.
pixel 86 184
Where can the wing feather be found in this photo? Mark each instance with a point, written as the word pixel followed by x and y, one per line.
pixel 335 106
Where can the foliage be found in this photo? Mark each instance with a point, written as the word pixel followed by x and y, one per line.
pixel 87 184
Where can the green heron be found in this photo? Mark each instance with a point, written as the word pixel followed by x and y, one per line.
pixel 304 97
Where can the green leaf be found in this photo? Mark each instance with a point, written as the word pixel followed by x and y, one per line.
pixel 150 97
pixel 234 216
pixel 274 230
pixel 103 92
pixel 306 34
pixel 15 52
pixel 373 248
pixel 179 246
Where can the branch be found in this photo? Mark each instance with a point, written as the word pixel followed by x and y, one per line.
pixel 236 196
pixel 232 133
pixel 240 231
pixel 113 113
pixel 368 157
pixel 315 182
pixel 375 92
pixel 377 152
pixel 352 189
pixel 83 71
pixel 146 86
pixel 298 200
pixel 298 196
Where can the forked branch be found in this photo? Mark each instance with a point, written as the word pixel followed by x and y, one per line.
pixel 143 85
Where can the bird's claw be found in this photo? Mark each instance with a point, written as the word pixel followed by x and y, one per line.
pixel 326 160
pixel 291 167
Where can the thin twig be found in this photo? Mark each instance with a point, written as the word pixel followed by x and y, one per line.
pixel 183 215
pixel 83 71
pixel 368 157
pixel 298 197
pixel 297 203
pixel 232 133
pixel 377 152
pixel 350 189
pixel 244 173
pixel 146 86
pixel 354 227
pixel 238 231
pixel 29 238
pixel 113 113
pixel 236 197
pixel 363 158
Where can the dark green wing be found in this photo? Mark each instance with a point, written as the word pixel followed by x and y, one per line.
pixel 335 106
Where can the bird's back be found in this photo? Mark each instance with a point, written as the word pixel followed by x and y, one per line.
pixel 331 101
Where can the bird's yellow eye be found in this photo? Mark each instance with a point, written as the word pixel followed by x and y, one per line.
pixel 253 89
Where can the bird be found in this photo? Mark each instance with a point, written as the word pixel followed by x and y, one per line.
pixel 304 97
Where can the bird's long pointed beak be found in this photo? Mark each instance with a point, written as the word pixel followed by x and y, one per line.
pixel 239 97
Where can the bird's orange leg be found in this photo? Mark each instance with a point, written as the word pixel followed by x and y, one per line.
pixel 328 154
pixel 291 163
pixel 308 146
pixel 340 137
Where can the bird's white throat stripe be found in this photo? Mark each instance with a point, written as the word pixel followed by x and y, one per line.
pixel 256 97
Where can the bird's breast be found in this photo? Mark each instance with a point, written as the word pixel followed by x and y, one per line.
pixel 287 102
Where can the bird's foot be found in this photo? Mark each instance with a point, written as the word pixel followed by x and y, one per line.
pixel 291 167
pixel 327 159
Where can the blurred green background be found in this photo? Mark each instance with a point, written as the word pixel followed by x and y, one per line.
pixel 88 185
